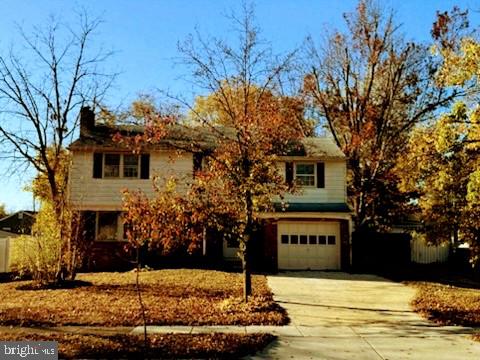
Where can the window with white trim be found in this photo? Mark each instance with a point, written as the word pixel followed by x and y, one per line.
pixel 130 166
pixel 118 166
pixel 111 165
pixel 121 165
pixel 305 174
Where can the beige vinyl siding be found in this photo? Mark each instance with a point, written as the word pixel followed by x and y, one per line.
pixel 106 194
pixel 335 190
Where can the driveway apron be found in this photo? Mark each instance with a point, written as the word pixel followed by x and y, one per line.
pixel 351 316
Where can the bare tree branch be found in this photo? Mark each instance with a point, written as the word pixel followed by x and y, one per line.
pixel 40 101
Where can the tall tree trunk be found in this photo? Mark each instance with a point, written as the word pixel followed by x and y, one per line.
pixel 142 305
pixel 247 278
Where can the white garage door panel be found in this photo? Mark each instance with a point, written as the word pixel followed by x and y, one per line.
pixel 315 252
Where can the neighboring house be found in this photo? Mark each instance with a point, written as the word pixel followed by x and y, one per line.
pixel 11 226
pixel 312 231
pixel 19 222
pixel 407 224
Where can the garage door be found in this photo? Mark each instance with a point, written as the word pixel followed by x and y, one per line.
pixel 309 245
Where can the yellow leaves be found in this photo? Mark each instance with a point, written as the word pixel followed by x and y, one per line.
pixel 473 189
pixel 106 116
pixel 475 115
pixel 444 136
pixel 462 66
pixel 459 111
pixel 441 168
pixel 443 180
pixel 256 114
pixel 143 108
pixel 171 185
pixel 60 162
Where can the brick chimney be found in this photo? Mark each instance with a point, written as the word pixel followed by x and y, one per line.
pixel 87 121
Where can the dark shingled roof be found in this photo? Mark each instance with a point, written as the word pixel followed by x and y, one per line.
pixel 313 207
pixel 100 137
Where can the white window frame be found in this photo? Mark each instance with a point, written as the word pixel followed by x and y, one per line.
pixel 104 166
pixel 121 167
pixel 314 173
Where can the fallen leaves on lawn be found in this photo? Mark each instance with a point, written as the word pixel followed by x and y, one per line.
pixel 217 345
pixel 171 297
pixel 448 305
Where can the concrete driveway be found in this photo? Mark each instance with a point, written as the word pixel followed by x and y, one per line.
pixel 343 316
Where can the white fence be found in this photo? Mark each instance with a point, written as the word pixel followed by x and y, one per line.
pixel 4 254
pixel 421 253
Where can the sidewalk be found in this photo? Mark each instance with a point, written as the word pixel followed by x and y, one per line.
pixel 288 330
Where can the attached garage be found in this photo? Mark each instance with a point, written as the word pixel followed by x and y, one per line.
pixel 309 245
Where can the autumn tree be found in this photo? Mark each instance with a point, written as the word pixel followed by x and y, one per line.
pixel 240 126
pixel 369 87
pixel 3 211
pixel 442 164
pixel 439 166
pixel 41 100
pixel 167 222
pixel 248 96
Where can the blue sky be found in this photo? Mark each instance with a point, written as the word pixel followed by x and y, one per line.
pixel 144 35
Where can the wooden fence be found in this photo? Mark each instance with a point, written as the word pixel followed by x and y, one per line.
pixel 4 254
pixel 422 253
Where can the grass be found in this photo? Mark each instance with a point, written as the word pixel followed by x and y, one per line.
pixel 172 297
pixel 444 295
pixel 74 346
pixel 448 299
pixel 447 304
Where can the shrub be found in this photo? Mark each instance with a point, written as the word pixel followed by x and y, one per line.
pixel 38 255
pixel 53 252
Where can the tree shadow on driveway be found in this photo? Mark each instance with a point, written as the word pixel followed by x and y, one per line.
pixel 333 275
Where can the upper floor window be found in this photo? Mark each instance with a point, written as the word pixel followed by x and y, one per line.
pixel 111 167
pixel 305 174
pixel 130 166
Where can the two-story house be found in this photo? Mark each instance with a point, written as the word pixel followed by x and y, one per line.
pixel 312 231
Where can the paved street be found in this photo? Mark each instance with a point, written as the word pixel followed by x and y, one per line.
pixel 342 316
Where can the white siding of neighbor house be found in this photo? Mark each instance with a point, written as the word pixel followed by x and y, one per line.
pixel 88 193
pixel 335 190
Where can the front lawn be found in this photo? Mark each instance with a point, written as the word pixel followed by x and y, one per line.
pixel 447 304
pixel 172 297
pixel 198 346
